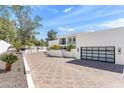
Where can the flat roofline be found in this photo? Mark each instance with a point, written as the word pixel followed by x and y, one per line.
pixel 109 29
pixel 64 36
pixel 74 34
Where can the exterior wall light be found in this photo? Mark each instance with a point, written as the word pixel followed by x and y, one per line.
pixel 78 49
pixel 119 50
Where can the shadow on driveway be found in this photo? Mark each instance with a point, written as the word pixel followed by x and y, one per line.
pixel 99 65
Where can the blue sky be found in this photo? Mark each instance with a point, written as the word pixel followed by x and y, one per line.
pixel 66 19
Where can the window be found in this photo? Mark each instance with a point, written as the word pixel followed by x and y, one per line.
pixel 62 41
pixel 74 40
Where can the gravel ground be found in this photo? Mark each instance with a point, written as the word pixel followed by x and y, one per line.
pixel 53 72
pixel 14 78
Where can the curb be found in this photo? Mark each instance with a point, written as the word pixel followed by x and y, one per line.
pixel 28 74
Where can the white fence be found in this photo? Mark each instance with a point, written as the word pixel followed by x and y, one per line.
pixel 62 53
pixel 4 46
pixel 34 50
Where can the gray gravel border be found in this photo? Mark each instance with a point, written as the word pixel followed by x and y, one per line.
pixel 15 78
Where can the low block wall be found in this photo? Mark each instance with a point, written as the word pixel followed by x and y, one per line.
pixel 62 53
pixel 69 54
pixel 57 53
pixel 34 50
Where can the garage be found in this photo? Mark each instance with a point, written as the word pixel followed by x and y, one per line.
pixel 98 53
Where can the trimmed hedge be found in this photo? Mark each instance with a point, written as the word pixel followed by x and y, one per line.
pixel 69 47
pixel 55 47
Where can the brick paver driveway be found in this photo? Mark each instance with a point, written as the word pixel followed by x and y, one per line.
pixel 57 72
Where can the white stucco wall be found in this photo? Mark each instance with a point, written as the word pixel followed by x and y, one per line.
pixel 56 53
pixel 62 53
pixel 53 42
pixel 112 37
pixel 3 46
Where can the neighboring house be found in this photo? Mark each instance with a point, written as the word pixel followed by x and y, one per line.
pixel 102 46
pixel 4 46
pixel 64 41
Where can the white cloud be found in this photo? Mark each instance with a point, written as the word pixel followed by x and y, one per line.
pixel 53 11
pixel 68 9
pixel 89 30
pixel 67 19
pixel 115 23
pixel 66 30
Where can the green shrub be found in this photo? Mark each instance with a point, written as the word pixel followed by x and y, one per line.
pixel 9 58
pixel 17 45
pixel 55 47
pixel 29 43
pixel 69 47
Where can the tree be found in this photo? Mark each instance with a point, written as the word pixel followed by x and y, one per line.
pixel 42 42
pixel 22 27
pixel 46 42
pixel 4 12
pixel 26 25
pixel 7 28
pixel 29 43
pixel 51 34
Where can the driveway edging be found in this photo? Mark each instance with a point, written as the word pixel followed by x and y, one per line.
pixel 28 74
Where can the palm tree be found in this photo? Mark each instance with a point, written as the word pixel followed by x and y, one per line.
pixel 51 34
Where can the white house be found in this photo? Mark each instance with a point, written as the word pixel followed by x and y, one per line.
pixel 102 46
pixel 4 46
pixel 63 41
pixel 111 39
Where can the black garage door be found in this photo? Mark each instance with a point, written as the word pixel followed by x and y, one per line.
pixel 103 54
